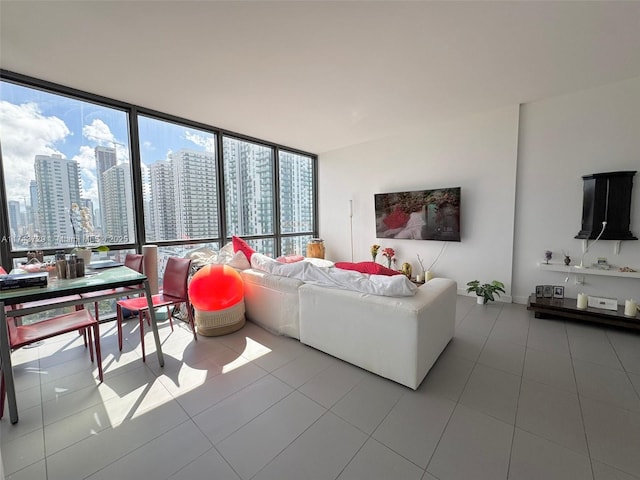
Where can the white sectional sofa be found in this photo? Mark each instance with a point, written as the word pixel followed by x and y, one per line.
pixel 398 338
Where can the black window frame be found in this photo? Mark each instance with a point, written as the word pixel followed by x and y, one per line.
pixel 7 255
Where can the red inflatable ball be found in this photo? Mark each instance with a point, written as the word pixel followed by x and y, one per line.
pixel 215 287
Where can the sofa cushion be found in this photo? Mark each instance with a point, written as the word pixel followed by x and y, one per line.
pixel 393 286
pixel 290 258
pixel 239 245
pixel 371 268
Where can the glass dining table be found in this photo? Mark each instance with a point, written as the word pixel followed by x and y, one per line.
pixel 95 281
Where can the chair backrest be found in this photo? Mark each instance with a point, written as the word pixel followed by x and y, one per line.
pixel 176 277
pixel 134 261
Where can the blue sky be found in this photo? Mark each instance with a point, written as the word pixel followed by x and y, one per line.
pixel 33 122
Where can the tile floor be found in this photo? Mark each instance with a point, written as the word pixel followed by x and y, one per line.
pixel 512 397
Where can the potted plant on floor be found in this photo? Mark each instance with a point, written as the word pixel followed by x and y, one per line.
pixel 485 291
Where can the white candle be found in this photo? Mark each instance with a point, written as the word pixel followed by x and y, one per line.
pixel 630 308
pixel 582 301
pixel 420 278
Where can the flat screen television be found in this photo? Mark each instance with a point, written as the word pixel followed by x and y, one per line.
pixel 419 215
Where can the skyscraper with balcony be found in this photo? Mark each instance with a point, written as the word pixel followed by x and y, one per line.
pixel 196 194
pixel 105 159
pixel 163 211
pixel 248 170
pixel 118 205
pixel 15 219
pixel 58 181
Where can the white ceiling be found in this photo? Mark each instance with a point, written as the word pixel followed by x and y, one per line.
pixel 322 75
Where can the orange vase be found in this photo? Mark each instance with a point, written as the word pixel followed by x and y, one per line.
pixel 315 248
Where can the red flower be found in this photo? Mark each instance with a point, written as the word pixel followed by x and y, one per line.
pixel 388 252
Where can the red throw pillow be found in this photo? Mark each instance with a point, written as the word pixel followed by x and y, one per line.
pixel 290 258
pixel 371 268
pixel 239 245
pixel 396 219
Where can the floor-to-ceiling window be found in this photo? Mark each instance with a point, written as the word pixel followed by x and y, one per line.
pixel 83 170
pixel 296 201
pixel 67 171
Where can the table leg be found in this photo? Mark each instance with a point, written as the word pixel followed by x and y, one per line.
pixel 7 368
pixel 154 323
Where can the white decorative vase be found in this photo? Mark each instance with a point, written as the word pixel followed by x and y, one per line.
pixel 84 254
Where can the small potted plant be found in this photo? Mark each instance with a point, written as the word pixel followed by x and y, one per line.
pixel 485 291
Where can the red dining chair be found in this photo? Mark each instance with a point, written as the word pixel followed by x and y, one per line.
pixel 174 292
pixel 21 335
pixel 134 261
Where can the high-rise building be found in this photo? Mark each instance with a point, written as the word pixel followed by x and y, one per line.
pixel 163 209
pixel 248 170
pixel 149 226
pixel 105 159
pixel 15 219
pixel 117 205
pixel 58 182
pixel 296 193
pixel 196 194
pixel 33 216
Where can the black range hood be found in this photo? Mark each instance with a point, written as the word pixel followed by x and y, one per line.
pixel 607 197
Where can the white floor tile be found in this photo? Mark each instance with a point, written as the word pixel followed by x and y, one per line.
pixel 332 384
pixel 548 335
pixel 448 376
pixel 249 449
pixel 369 402
pixel 606 384
pixel 574 380
pixel 37 471
pixel 160 457
pixel 503 355
pixel 493 392
pixel 304 367
pixel 549 368
pixel 414 426
pixel 613 435
pixel 376 462
pixel 321 452
pixel 208 465
pixel 474 445
pixel 513 329
pixel 466 344
pixel 605 472
pixel 81 460
pixel 212 390
pixel 23 452
pixel 227 416
pixel 534 458
pixel 553 414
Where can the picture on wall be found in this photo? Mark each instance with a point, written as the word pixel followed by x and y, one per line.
pixel 419 215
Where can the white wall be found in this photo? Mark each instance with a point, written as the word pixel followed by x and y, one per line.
pixel 514 163
pixel 562 139
pixel 477 153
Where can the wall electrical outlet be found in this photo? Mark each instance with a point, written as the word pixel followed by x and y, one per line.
pixel 579 280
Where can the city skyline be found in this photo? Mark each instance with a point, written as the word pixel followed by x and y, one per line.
pixel 61 152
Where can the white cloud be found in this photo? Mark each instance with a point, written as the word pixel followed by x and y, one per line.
pixel 26 132
pixel 87 163
pixel 99 132
pixel 208 142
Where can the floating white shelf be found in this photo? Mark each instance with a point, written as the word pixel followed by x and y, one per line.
pixel 612 272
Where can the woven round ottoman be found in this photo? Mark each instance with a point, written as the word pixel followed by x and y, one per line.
pixel 217 295
pixel 220 322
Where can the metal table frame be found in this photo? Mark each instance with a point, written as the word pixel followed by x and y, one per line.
pixel 104 280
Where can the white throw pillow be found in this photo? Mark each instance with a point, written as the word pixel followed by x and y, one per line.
pixel 239 261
